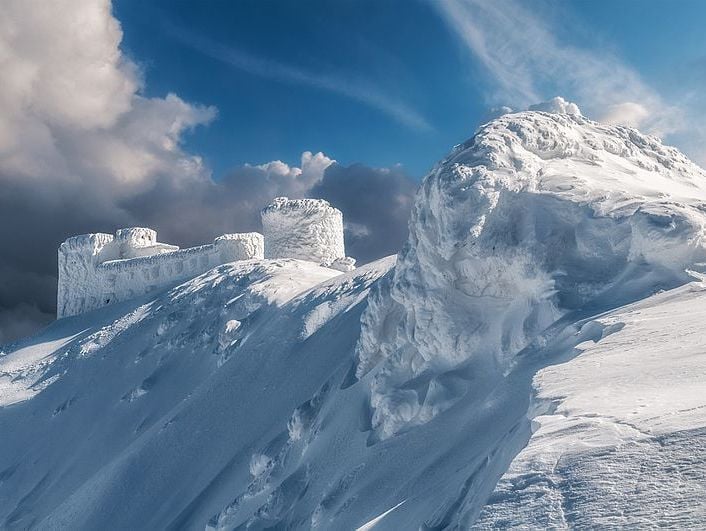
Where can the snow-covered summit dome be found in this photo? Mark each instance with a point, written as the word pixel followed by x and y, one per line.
pixel 539 214
pixel 615 171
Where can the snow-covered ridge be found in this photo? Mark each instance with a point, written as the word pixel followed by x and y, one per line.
pixel 279 394
pixel 539 214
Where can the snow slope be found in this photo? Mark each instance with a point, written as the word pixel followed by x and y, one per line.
pixel 532 359
pixel 620 429
pixel 159 417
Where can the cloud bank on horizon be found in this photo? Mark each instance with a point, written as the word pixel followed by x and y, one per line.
pixel 82 150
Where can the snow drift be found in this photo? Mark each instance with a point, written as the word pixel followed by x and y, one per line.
pixel 278 393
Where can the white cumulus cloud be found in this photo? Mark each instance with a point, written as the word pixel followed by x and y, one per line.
pixel 77 140
pixel 70 103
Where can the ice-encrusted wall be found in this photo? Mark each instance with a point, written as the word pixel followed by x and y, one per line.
pixel 100 269
pixel 306 229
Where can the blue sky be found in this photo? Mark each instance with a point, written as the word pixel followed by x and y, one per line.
pixel 387 82
pixel 368 44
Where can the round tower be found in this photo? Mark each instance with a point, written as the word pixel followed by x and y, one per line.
pixel 240 246
pixel 79 256
pixel 306 229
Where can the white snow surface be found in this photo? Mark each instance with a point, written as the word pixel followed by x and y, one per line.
pixel 533 359
pixel 619 435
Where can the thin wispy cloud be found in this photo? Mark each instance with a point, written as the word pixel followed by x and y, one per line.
pixel 527 62
pixel 360 90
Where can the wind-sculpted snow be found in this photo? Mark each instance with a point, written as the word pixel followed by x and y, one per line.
pixel 619 430
pixel 538 215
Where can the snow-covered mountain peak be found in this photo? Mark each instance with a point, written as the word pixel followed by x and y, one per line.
pixel 567 154
pixel 537 215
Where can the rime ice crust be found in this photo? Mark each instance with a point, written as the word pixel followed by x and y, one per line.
pixel 246 245
pixel 100 269
pixel 557 105
pixel 139 241
pixel 305 229
pixel 537 215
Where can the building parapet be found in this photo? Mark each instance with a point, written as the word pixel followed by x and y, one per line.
pixel 100 269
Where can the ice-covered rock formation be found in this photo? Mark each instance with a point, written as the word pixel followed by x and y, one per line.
pixel 557 105
pixel 537 215
pixel 306 229
pixel 100 269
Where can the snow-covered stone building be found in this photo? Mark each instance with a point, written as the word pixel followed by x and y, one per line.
pixel 100 269
pixel 307 229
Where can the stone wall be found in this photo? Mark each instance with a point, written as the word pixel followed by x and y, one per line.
pixel 100 269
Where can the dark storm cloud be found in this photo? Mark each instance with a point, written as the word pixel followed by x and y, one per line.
pixel 33 221
pixel 375 203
